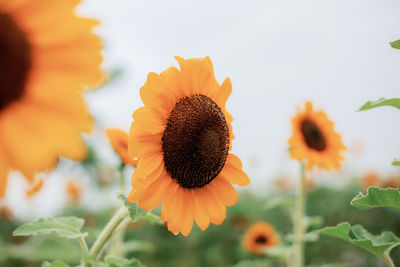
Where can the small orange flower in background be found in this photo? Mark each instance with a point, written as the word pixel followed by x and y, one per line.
pixel 314 140
pixel 119 141
pixel 35 188
pixel 182 138
pixel 371 179
pixel 284 184
pixel 6 214
pixel 47 55
pixel 73 190
pixel 260 237
pixel 393 181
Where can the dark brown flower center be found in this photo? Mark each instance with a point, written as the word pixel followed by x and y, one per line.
pixel 15 61
pixel 261 240
pixel 195 143
pixel 312 135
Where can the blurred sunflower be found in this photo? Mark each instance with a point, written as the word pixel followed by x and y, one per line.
pixel 260 237
pixel 73 190
pixel 371 179
pixel 35 188
pixel 119 141
pixel 46 55
pixel 182 138
pixel 393 181
pixel 6 214
pixel 314 139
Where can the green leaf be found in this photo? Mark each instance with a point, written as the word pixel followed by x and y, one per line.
pixel 54 264
pixel 395 44
pixel 379 245
pixel 394 102
pixel 114 261
pixel 377 198
pixel 396 162
pixel 152 219
pixel 134 210
pixel 69 227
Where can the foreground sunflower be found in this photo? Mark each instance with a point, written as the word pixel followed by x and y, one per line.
pixel 119 141
pixel 46 55
pixel 259 238
pixel 314 139
pixel 182 138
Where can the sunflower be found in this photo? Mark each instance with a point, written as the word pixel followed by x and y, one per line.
pixel 119 141
pixel 260 237
pixel 46 55
pixel 182 138
pixel 314 139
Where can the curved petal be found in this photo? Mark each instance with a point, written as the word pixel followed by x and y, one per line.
pixel 149 120
pixel 188 212
pixel 233 172
pixel 200 211
pixel 226 192
pixel 223 93
pixel 154 193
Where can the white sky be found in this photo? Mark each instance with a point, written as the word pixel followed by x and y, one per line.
pixel 277 53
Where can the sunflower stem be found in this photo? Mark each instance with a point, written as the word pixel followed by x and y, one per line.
pixel 298 227
pixel 84 248
pixel 108 231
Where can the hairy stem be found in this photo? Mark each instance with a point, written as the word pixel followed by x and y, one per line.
pixel 108 231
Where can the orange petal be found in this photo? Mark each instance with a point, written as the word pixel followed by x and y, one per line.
pixel 154 193
pixel 216 209
pixel 223 93
pixel 168 199
pixel 140 184
pixel 200 211
pixel 156 93
pixel 233 172
pixel 226 192
pixel 149 120
pixel 176 211
pixel 188 212
pixel 139 141
pixel 197 75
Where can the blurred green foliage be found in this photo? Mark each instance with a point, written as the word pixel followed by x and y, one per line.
pixel 219 245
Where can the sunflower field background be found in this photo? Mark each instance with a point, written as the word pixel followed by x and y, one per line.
pixel 199 133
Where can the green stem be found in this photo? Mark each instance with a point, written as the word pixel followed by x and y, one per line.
pixel 389 261
pixel 298 222
pixel 85 250
pixel 124 223
pixel 108 231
